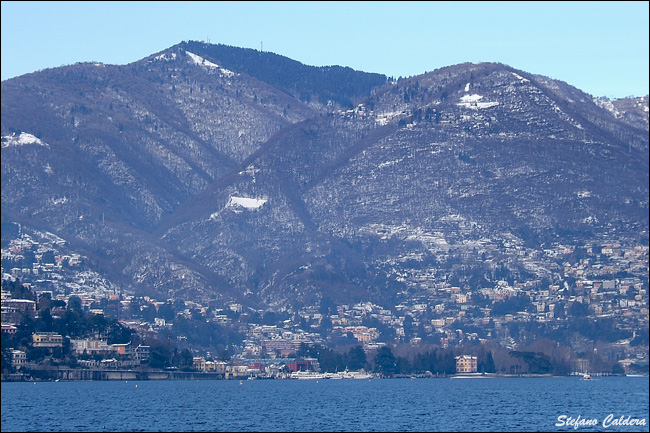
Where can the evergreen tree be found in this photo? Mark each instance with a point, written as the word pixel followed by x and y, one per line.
pixel 356 358
pixel 489 363
pixel 385 362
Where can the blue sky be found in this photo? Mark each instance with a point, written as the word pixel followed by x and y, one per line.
pixel 599 47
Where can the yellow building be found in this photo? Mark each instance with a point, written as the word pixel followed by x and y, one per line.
pixel 466 364
pixel 47 339
pixel 198 362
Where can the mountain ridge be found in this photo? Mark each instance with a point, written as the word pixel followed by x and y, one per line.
pixel 147 166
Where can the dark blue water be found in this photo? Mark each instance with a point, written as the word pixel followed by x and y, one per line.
pixel 496 404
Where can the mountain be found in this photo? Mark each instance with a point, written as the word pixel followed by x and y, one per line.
pixel 126 145
pixel 219 173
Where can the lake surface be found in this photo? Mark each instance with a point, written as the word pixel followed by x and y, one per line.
pixel 492 404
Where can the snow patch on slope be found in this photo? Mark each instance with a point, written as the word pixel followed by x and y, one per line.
pixel 239 204
pixel 21 140
pixel 208 64
pixel 167 57
pixel 245 202
pixel 472 102
pixel 522 79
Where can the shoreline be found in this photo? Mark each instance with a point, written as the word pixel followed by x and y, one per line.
pixel 76 375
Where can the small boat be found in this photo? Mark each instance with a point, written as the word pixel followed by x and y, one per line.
pixel 361 374
pixel 586 376
pixel 472 376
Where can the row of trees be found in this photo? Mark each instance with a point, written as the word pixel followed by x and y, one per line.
pixel 333 361
pixel 544 356
pixel 386 363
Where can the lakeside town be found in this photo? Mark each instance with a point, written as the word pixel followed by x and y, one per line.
pixel 60 321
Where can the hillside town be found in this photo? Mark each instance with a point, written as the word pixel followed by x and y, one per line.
pixel 592 319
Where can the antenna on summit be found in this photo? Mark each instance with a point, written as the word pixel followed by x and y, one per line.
pixel 262 46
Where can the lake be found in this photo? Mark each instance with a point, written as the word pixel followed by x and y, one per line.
pixel 484 404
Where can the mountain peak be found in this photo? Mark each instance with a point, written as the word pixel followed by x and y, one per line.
pixel 216 172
